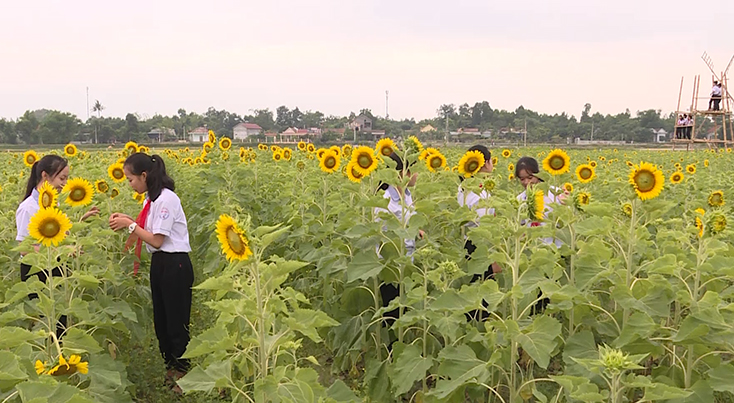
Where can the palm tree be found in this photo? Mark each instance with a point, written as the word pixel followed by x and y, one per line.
pixel 97 108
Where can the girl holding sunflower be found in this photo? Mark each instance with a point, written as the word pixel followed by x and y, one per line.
pixel 526 170
pixel 162 226
pixel 48 177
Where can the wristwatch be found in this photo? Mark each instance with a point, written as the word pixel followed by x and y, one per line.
pixel 131 227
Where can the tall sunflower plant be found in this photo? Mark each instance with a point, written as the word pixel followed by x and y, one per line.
pixel 252 348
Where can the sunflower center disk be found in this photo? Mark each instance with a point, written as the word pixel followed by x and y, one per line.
pixel 472 165
pixel 49 228
pixel 117 174
pixel 235 241
pixel 330 162
pixel 585 173
pixel 46 200
pixel 557 163
pixel 364 161
pixel 386 151
pixel 435 162
pixel 77 194
pixel 645 181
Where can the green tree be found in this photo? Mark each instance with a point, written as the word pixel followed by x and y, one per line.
pixel 58 128
pixel 98 107
pixel 27 128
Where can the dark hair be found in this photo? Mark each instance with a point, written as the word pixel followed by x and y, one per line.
pixel 398 167
pixel 156 178
pixel 484 150
pixel 51 164
pixel 528 164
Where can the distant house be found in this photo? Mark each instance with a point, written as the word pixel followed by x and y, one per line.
pixel 271 137
pixel 428 128
pixel 362 123
pixel 244 130
pixel 377 134
pixel 470 130
pixel 660 135
pixel 332 130
pixel 199 135
pixel 158 135
pixel 293 135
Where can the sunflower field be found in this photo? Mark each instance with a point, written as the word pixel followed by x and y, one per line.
pixel 631 301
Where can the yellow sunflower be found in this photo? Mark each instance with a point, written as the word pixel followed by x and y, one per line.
pixel 74 365
pixel 301 146
pixel 277 155
pixel 691 169
pixel 262 147
pixel 647 180
pixel 101 186
pixel 320 152
pixel 511 167
pixel 585 173
pixel 212 138
pixel 583 198
pixel 287 154
pixel 717 223
pixel 627 209
pixel 70 150
pixel 49 226
pixel 413 144
pixel 676 177
pixel 40 367
pixel 592 164
pixel 139 197
pixel 706 163
pixel 352 172
pixel 699 226
pixel 506 153
pixel 329 161
pixel 471 163
pixel 29 158
pixel 364 160
pixel 116 172
pixel 385 147
pixel 207 147
pixel 495 160
pixel 143 149
pixel 47 196
pixel 510 177
pixel 435 161
pixel 310 147
pixel 131 147
pixel 426 152
pixel 243 152
pixel 80 192
pixel 235 245
pixel 225 156
pixel 557 162
pixel 301 165
pixel 716 198
pixel 225 143
pixel 274 148
pixel 568 187
pixel 536 204
pixel 114 193
pixel 347 151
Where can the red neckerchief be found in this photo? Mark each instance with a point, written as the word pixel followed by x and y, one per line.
pixel 133 238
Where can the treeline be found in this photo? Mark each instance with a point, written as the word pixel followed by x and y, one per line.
pixel 56 127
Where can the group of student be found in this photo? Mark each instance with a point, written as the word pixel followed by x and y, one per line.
pixel 161 225
pixel 401 205
pixel 716 95
pixel 684 126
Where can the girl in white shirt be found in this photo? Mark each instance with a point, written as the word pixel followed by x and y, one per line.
pixel 162 226
pixel 53 170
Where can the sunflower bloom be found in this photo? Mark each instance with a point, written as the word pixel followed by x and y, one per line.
pixel 29 158
pixel 277 155
pixel 235 245
pixel 585 173
pixel 329 161
pixel 212 138
pixel 435 161
pixel 691 169
pixel 301 146
pixel 557 162
pixel 716 199
pixel 80 192
pixel 352 172
pixel 287 154
pixel 347 151
pixel 48 196
pixel 385 147
pixel 676 178
pixel 717 223
pixel 101 186
pixel 364 160
pixel 536 204
pixel 310 147
pixel 593 164
pixel 627 209
pixel 70 150
pixel 568 187
pixel 225 143
pixel 413 144
pixel 583 198
pixel 49 226
pixel 114 193
pixel 131 147
pixel 647 181
pixel 207 147
pixel 40 367
pixel 506 153
pixel 471 163
pixel 116 172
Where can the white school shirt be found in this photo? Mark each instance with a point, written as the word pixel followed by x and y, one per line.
pixel 716 91
pixel 548 199
pixel 470 200
pixel 166 217
pixel 394 207
pixel 682 121
pixel 26 210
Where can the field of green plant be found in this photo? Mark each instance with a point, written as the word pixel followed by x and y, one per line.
pixel 636 305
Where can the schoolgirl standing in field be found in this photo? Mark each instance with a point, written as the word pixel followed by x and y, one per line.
pixel 162 226
pixel 54 171
pixel 526 170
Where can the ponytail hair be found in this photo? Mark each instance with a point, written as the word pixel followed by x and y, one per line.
pixel 156 178
pixel 50 164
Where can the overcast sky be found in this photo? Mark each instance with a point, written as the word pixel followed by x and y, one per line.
pixel 337 56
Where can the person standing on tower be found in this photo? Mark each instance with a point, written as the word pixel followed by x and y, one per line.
pixel 715 97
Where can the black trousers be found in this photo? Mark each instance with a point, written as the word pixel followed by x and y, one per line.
pixel 487 275
pixel 687 131
pixel 171 278
pixel 714 103
pixel 42 276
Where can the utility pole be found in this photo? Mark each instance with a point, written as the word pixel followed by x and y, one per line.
pixel 447 129
pixel 387 98
pixel 525 134
pixel 592 130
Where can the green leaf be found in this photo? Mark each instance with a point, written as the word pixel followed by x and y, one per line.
pixel 580 346
pixel 458 366
pixel 221 283
pixel 639 325
pixel 364 265
pixel 307 321
pixel 539 340
pixel 340 392
pixel 213 339
pixel 13 336
pixel 720 378
pixel 661 391
pixel 79 341
pixel 376 380
pixel 197 379
pixel 45 392
pixel 10 371
pixel 409 368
